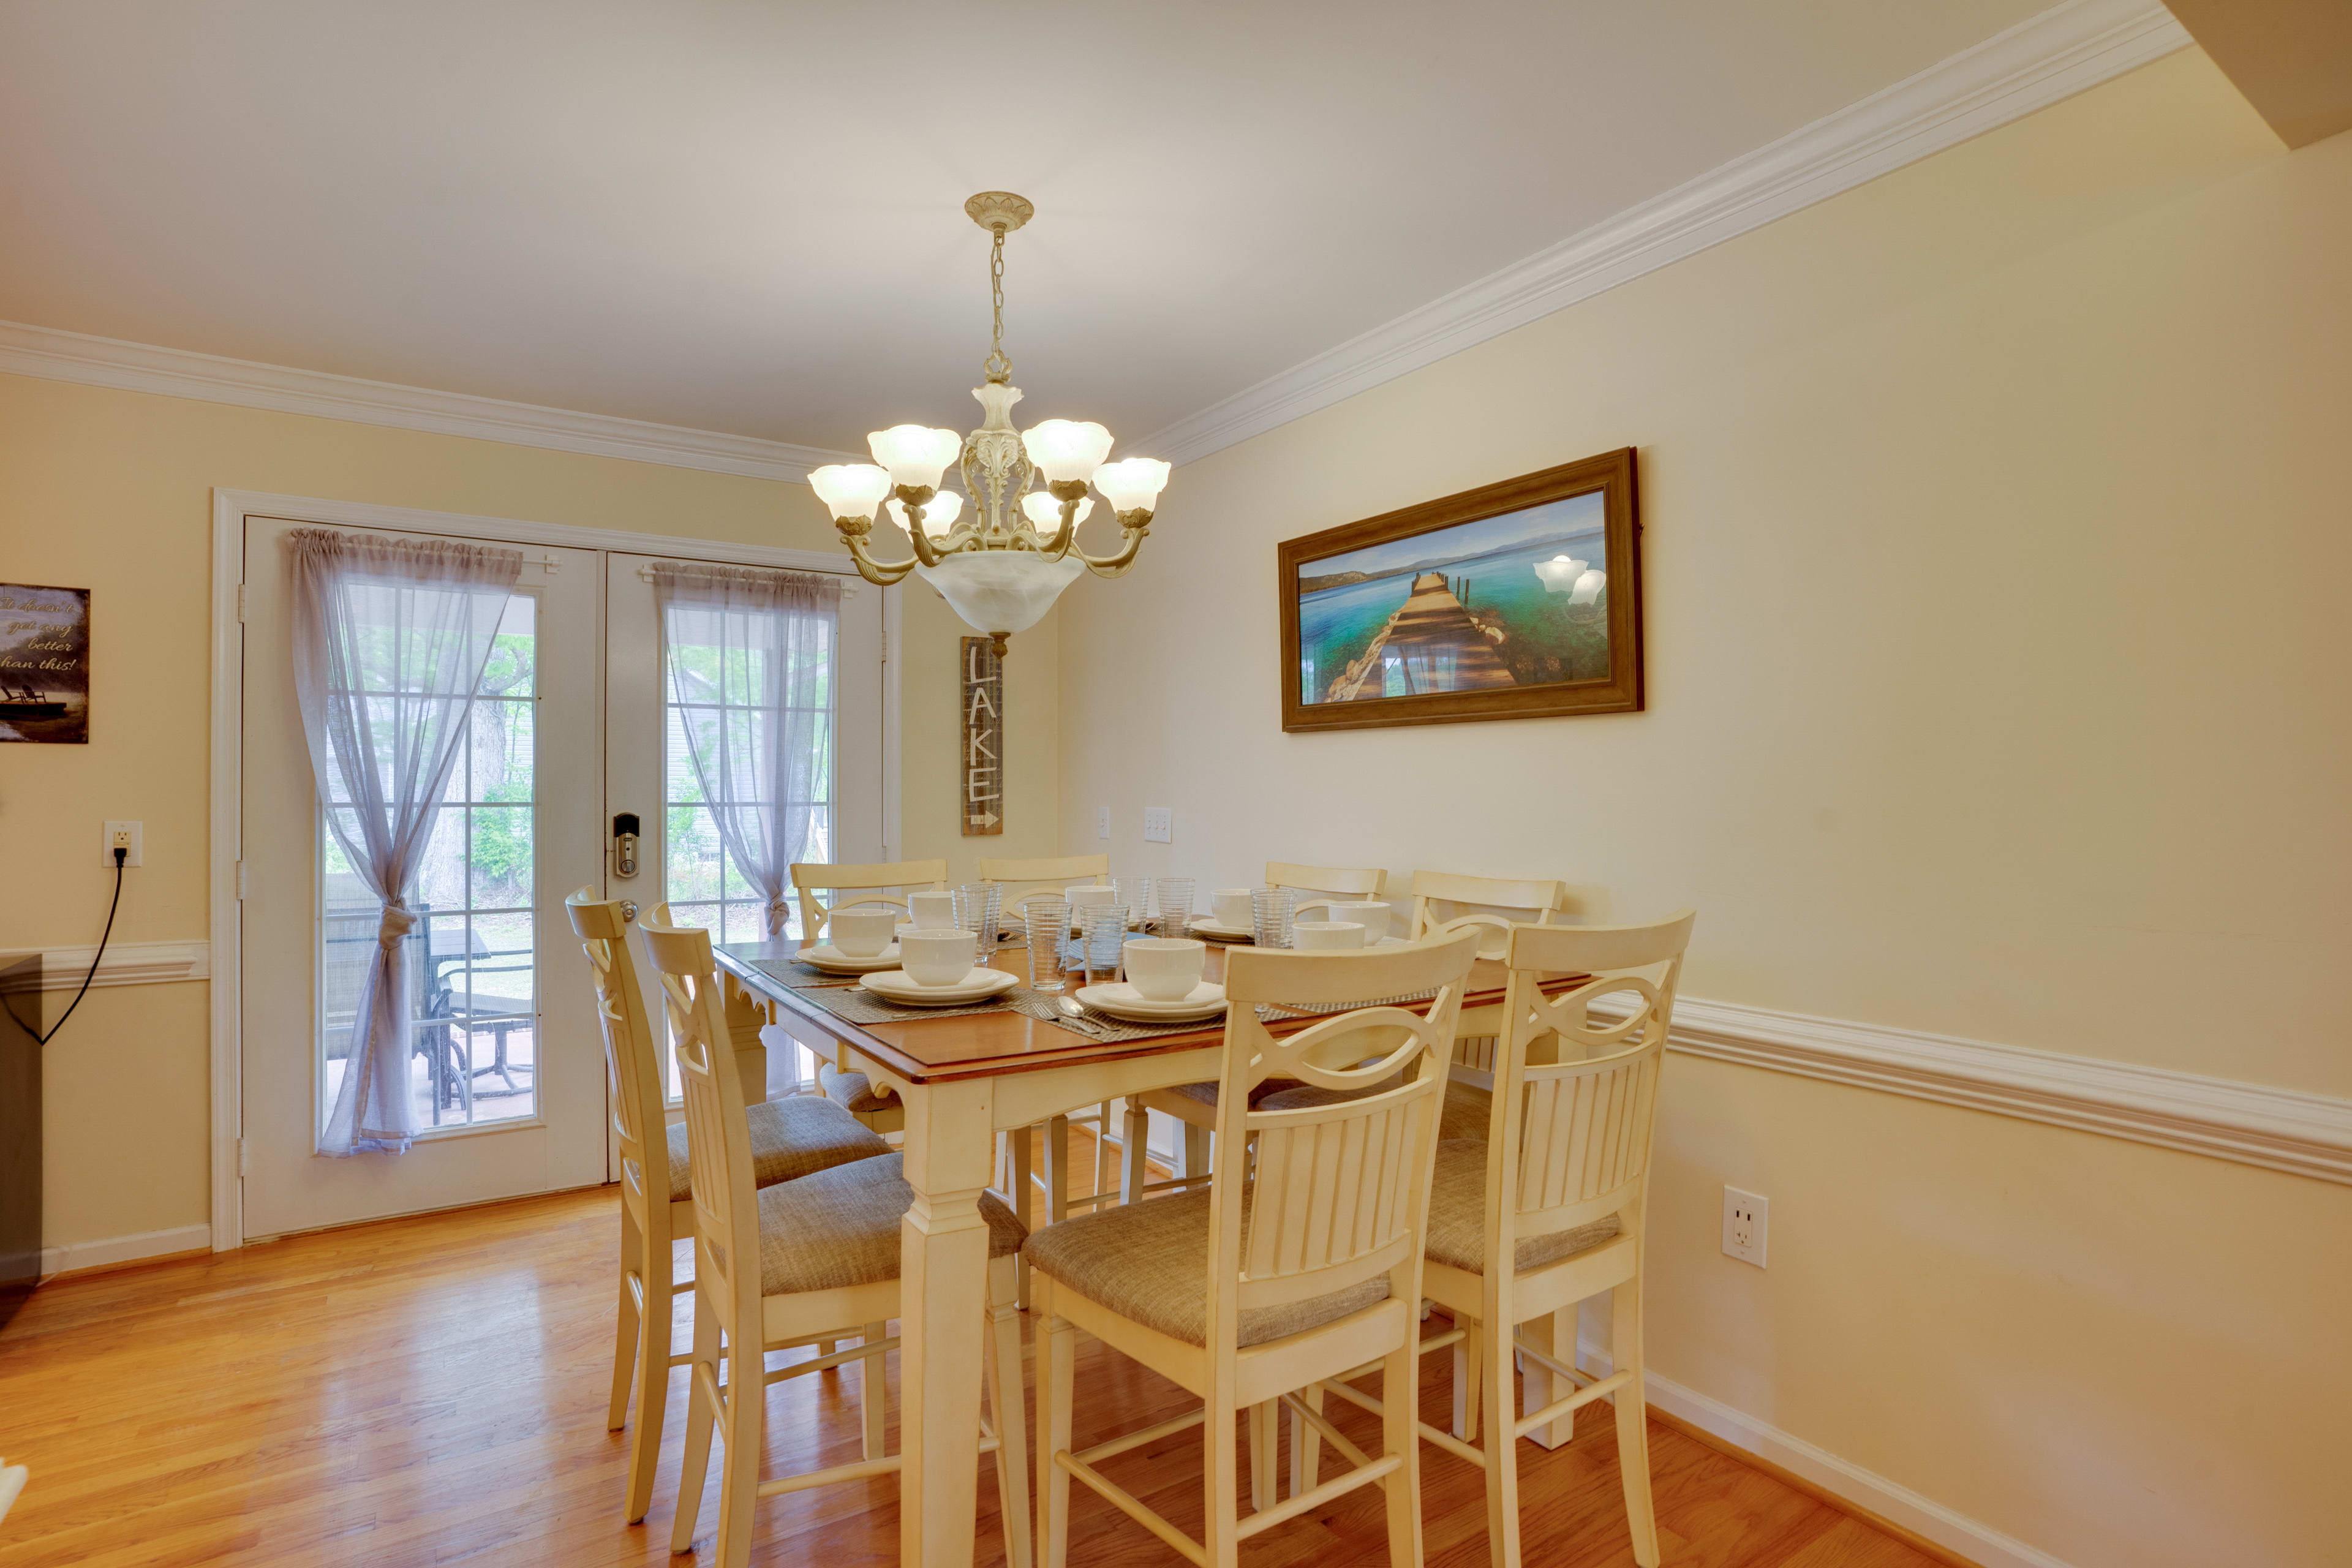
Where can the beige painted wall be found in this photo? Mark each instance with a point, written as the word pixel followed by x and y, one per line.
pixel 1999 687
pixel 112 491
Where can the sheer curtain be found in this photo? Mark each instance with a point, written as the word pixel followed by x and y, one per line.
pixel 389 638
pixel 750 654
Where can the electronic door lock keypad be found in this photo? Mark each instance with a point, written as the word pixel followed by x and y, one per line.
pixel 625 844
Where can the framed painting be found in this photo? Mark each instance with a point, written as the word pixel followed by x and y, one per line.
pixel 1518 600
pixel 44 664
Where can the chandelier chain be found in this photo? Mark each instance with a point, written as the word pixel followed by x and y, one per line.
pixel 999 368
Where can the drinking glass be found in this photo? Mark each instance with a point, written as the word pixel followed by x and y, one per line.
pixel 1174 896
pixel 1270 915
pixel 1049 942
pixel 977 907
pixel 1106 933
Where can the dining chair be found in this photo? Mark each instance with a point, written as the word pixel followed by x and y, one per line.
pixel 804 1263
pixel 1251 1290
pixel 787 1138
pixel 1547 1210
pixel 1021 882
pixel 1193 1106
pixel 872 883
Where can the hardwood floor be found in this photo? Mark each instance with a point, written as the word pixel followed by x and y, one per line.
pixel 431 1391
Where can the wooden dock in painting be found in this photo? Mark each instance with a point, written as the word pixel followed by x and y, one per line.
pixel 1440 647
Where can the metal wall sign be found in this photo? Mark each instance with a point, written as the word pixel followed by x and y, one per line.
pixel 44 664
pixel 981 782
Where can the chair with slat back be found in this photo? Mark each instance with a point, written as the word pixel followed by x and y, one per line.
pixel 1447 900
pixel 788 1139
pixel 806 1262
pixel 1252 1290
pixel 1546 1211
pixel 1021 882
pixel 1193 1106
pixel 879 882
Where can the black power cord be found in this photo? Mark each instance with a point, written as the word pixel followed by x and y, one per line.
pixel 120 856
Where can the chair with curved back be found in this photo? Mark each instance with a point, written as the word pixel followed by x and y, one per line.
pixel 1547 1210
pixel 806 1262
pixel 787 1138
pixel 1193 1106
pixel 1251 1290
pixel 876 882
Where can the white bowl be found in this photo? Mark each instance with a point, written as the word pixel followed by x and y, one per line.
pixel 1164 968
pixel 936 957
pixel 862 933
pixel 1313 935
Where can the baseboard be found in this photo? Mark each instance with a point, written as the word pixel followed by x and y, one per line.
pixel 114 1251
pixel 1922 1521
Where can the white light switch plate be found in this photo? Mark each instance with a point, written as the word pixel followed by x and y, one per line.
pixel 133 834
pixel 1747 1223
pixel 1158 825
pixel 1102 822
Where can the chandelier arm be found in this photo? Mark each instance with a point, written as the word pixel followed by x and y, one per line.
pixel 914 498
pixel 1133 526
pixel 881 573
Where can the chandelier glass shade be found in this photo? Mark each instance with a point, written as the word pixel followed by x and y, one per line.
pixel 1001 552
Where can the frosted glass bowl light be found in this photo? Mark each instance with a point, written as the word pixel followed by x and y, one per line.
pixel 940 513
pixel 1000 592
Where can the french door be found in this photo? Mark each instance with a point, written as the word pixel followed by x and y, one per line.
pixel 571 728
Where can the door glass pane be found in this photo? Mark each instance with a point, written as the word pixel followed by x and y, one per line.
pixel 471 968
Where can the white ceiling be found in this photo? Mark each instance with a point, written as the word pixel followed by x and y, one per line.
pixel 748 217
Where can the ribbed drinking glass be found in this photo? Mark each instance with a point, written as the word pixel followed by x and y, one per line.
pixel 977 908
pixel 1270 915
pixel 1106 933
pixel 1049 942
pixel 1173 897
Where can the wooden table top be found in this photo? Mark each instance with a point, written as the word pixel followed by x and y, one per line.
pixel 991 1045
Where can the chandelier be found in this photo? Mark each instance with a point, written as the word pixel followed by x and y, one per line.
pixel 1001 553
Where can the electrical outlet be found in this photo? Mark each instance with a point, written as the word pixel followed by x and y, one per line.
pixel 1158 825
pixel 1102 822
pixel 1747 1225
pixel 128 836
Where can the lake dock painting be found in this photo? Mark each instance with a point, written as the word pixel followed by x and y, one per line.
pixel 1516 600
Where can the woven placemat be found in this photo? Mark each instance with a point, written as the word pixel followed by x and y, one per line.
pixel 1098 1026
pixel 797 975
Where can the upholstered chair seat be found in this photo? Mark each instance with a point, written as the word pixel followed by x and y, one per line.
pixel 1148 1262
pixel 791 1138
pixel 839 1228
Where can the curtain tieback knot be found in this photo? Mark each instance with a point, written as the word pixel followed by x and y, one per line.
pixel 780 912
pixel 397 924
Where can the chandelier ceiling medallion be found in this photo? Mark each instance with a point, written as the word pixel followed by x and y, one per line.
pixel 1001 558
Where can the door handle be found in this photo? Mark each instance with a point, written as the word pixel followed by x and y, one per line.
pixel 628 910
pixel 625 844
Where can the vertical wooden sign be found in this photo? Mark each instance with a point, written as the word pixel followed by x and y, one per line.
pixel 982 782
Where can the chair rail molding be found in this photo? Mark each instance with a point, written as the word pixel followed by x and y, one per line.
pixel 2292 1131
pixel 2041 60
pixel 56 355
pixel 125 963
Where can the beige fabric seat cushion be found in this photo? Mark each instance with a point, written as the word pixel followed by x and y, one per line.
pixel 1457 1217
pixel 1206 1093
pixel 852 1091
pixel 790 1139
pixel 840 1228
pixel 1148 1262
pixel 1464 1113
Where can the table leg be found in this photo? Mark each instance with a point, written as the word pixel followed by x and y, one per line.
pixel 951 1146
pixel 746 1015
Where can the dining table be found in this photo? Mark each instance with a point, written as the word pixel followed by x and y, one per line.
pixel 964 1080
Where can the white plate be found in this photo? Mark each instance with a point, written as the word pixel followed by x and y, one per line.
pixel 1206 1000
pixel 1219 930
pixel 832 960
pixel 892 985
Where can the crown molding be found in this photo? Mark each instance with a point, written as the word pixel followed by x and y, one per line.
pixel 2294 1130
pixel 2042 59
pixel 55 355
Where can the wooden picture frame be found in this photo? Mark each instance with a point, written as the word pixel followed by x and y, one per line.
pixel 1526 630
